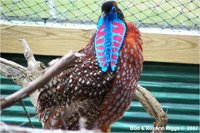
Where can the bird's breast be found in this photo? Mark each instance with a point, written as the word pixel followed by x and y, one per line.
pixel 126 79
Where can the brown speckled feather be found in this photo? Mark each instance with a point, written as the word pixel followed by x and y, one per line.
pixel 77 92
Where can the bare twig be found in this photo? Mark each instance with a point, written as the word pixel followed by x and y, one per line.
pixel 39 82
pixel 35 67
pixel 27 114
pixel 27 51
pixel 15 129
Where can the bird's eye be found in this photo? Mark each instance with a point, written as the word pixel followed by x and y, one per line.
pixel 113 8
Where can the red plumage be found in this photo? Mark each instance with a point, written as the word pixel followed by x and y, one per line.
pixel 83 90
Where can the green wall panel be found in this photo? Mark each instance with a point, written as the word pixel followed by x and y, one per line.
pixel 176 86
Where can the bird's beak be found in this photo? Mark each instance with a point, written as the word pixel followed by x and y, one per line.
pixel 103 14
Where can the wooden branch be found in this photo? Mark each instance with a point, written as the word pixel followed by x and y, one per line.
pixel 21 75
pixel 15 129
pixel 153 107
pixel 14 71
pixel 35 67
pixel 39 82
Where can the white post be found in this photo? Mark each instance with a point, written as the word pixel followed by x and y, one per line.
pixel 52 10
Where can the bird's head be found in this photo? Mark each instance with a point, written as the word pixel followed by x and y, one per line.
pixel 110 9
pixel 109 37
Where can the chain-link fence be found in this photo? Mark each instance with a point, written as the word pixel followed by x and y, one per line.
pixel 162 14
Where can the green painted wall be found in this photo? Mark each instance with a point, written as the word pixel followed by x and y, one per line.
pixel 176 86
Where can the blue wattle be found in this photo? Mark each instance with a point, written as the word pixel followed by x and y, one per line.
pixel 108 40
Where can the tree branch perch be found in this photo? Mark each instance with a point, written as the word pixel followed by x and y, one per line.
pixel 39 82
pixel 15 129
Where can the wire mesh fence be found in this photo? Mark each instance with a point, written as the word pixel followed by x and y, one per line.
pixel 161 14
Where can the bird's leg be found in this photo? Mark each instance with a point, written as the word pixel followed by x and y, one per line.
pixel 153 107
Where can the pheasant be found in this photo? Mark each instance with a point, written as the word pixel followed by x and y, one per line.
pixel 99 86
